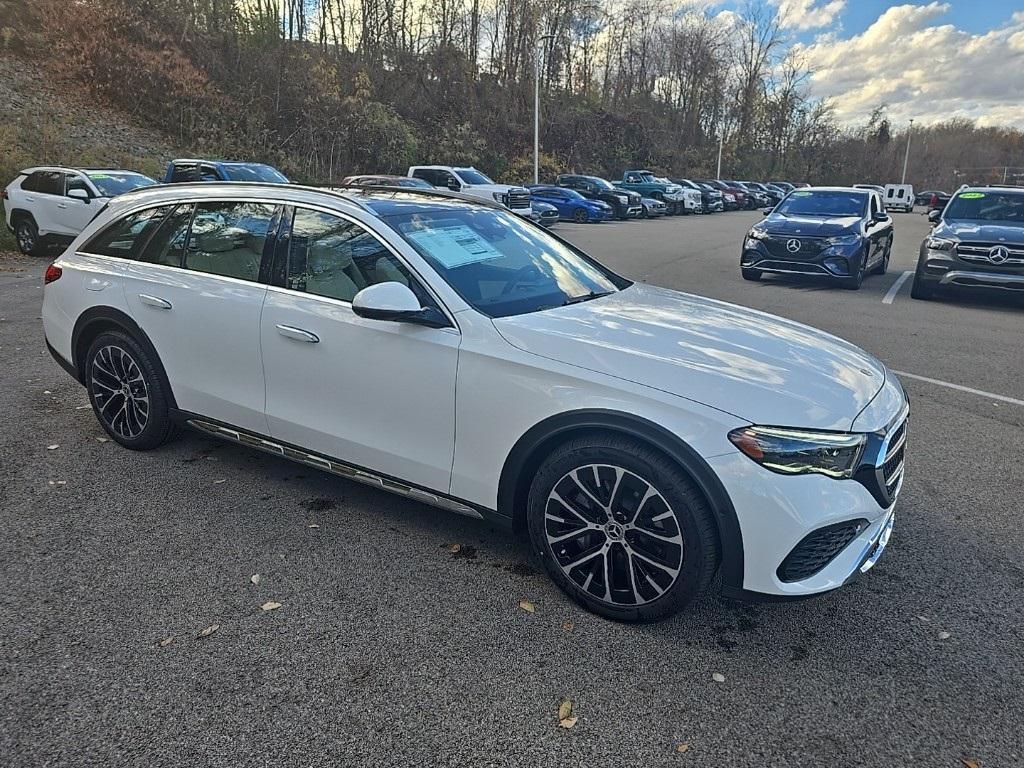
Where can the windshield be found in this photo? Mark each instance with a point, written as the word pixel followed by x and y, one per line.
pixel 472 176
pixel 500 264
pixel 1005 207
pixel 112 184
pixel 254 172
pixel 823 204
pixel 602 184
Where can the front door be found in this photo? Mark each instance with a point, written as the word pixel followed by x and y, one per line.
pixel 375 394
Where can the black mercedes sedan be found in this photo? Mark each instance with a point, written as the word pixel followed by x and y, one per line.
pixel 839 233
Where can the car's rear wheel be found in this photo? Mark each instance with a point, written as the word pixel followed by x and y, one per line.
pixel 621 529
pixel 128 393
pixel 750 274
pixel 26 233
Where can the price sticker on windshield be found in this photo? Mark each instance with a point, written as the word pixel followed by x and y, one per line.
pixel 454 246
pixel 801 194
pixel 972 195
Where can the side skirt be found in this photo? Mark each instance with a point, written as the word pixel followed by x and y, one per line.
pixel 333 466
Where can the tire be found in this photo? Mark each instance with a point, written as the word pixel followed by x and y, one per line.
pixel 115 364
pixel 27 235
pixel 854 282
pixel 883 267
pixel 921 289
pixel 622 540
pixel 580 216
pixel 750 274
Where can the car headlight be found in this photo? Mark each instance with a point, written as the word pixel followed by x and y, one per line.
pixel 939 244
pixel 757 234
pixel 622 199
pixel 500 197
pixel 844 240
pixel 799 451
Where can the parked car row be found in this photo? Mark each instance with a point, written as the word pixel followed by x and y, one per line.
pixel 846 233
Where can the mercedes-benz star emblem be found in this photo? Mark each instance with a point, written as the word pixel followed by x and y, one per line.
pixel 998 254
pixel 793 245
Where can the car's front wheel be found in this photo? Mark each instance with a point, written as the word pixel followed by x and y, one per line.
pixel 621 529
pixel 921 288
pixel 26 233
pixel 854 281
pixel 883 265
pixel 128 393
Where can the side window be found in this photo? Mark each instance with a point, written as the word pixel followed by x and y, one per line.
pixel 208 173
pixel 167 245
pixel 333 257
pixel 185 173
pixel 125 238
pixel 31 182
pixel 227 239
pixel 426 174
pixel 49 183
pixel 74 181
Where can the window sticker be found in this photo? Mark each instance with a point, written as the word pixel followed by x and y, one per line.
pixel 972 195
pixel 99 175
pixel 801 194
pixel 454 246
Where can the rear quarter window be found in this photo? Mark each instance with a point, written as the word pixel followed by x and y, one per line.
pixel 125 238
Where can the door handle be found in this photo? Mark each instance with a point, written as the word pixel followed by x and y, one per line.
pixel 298 334
pixel 154 301
pixel 62 205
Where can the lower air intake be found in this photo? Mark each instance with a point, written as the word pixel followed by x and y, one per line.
pixel 818 549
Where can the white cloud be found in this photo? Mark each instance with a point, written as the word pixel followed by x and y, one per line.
pixel 922 69
pixel 808 14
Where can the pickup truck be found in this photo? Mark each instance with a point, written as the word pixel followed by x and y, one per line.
pixel 220 170
pixel 470 181
pixel 646 184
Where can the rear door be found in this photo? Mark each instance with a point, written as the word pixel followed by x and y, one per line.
pixel 195 291
pixel 47 193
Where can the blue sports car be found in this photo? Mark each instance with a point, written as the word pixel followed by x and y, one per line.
pixel 571 205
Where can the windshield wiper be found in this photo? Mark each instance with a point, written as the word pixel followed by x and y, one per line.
pixel 585 297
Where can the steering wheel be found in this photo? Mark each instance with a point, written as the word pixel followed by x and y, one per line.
pixel 520 276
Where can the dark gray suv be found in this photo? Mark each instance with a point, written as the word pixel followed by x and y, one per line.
pixel 978 242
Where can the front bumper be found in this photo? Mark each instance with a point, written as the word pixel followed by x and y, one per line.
pixel 634 211
pixel 835 261
pixel 777 512
pixel 944 269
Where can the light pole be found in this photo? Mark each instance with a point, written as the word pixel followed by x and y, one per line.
pixel 536 108
pixel 721 141
pixel 906 155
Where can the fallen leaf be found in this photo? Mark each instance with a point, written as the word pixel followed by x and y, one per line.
pixel 718 677
pixel 944 635
pixel 82 407
pixel 166 641
pixel 925 619
pixel 255 578
pixel 218 482
pixel 527 606
pixel 46 392
pixel 314 525
pixel 569 722
pixel 567 626
pixel 102 440
pixel 564 709
pixel 209 630
pixel 53 447
pixel 970 762
pixel 270 605
pixel 455 549
pixel 684 747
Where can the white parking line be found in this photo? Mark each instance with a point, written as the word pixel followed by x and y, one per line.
pixel 896 287
pixel 961 388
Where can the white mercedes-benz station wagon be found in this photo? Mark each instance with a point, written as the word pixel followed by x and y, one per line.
pixel 447 350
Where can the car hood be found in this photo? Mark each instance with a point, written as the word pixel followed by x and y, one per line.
pixel 756 366
pixel 820 226
pixel 979 231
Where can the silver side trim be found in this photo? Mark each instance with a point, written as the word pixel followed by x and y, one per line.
pixel 989 279
pixel 334 467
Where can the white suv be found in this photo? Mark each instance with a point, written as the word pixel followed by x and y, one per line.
pixel 470 181
pixel 448 351
pixel 46 206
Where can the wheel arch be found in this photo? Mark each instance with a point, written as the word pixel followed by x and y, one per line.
pixel 95 321
pixel 537 443
pixel 17 214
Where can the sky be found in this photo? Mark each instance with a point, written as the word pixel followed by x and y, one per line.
pixel 929 59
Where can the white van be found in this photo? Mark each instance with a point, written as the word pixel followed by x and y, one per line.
pixel 899 196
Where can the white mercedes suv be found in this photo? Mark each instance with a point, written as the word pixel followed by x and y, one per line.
pixel 446 350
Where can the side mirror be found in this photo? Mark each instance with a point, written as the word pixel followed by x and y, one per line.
pixel 934 215
pixel 79 194
pixel 767 211
pixel 453 184
pixel 395 302
pixel 880 216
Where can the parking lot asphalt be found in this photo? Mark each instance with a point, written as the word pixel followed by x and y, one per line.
pixel 388 648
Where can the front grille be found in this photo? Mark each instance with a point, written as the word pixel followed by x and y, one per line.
pixel 792 266
pixel 818 549
pixel 979 253
pixel 892 462
pixel 518 199
pixel 810 247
